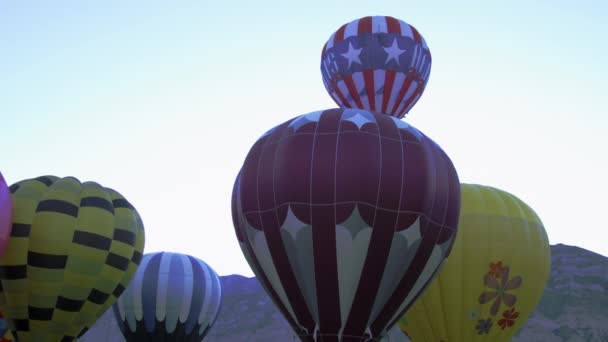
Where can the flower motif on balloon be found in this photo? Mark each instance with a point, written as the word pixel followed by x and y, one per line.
pixel 508 318
pixel 496 269
pixel 483 326
pixel 500 294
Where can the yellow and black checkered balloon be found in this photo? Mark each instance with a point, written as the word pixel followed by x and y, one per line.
pixel 74 248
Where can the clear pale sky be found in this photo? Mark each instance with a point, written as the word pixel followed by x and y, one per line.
pixel 161 100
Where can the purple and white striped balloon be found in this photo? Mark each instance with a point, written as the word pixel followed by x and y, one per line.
pixel 345 216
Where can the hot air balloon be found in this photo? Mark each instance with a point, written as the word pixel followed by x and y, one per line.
pixel 378 63
pixel 6 214
pixel 494 277
pixel 73 248
pixel 344 216
pixel 173 297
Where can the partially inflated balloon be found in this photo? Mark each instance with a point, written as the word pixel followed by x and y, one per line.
pixel 494 277
pixel 6 214
pixel 73 249
pixel 173 297
pixel 376 63
pixel 344 216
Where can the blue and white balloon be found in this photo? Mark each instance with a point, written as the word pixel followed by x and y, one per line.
pixel 173 297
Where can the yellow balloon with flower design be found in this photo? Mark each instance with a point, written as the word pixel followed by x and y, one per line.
pixel 494 277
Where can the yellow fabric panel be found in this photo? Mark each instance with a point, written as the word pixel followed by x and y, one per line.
pixel 501 259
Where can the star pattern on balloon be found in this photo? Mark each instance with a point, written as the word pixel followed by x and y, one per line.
pixel 292 224
pixel 405 126
pixel 304 119
pixel 352 55
pixel 358 118
pixel 411 233
pixel 354 224
pixel 393 52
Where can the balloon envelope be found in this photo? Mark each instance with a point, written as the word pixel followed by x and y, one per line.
pixel 73 249
pixel 173 297
pixel 6 214
pixel 378 63
pixel 494 277
pixel 344 216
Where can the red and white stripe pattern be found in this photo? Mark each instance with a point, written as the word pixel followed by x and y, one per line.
pixel 374 83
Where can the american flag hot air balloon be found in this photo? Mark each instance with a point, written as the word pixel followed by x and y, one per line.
pixel 378 63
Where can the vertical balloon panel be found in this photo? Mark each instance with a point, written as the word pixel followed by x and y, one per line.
pixel 344 216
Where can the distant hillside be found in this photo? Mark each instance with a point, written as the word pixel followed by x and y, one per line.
pixel 574 306
pixel 248 314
